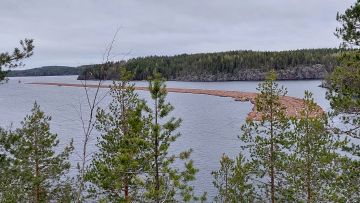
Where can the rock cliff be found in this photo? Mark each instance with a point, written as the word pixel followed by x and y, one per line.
pixel 317 71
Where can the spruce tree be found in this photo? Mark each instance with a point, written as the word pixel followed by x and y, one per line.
pixel 37 172
pixel 115 169
pixel 233 180
pixel 164 182
pixel 266 139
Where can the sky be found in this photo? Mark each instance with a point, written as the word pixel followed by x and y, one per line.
pixel 77 32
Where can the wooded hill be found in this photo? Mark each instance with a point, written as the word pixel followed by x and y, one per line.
pixel 47 71
pixel 226 66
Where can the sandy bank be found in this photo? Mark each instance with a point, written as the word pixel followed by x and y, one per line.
pixel 293 105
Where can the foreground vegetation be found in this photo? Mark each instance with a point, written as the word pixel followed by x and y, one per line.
pixel 306 159
pixel 291 159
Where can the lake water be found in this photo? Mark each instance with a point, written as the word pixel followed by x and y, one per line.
pixel 210 124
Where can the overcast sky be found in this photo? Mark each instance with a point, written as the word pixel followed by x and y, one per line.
pixel 75 32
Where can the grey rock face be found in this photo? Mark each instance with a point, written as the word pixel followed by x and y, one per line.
pixel 317 71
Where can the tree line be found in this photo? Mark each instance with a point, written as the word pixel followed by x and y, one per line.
pixel 47 71
pixel 232 62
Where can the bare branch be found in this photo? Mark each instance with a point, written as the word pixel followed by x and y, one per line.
pixel 88 126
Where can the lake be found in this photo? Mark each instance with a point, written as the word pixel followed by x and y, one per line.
pixel 210 124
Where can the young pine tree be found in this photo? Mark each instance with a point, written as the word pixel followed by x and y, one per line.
pixel 166 183
pixel 312 163
pixel 232 180
pixel 266 139
pixel 37 171
pixel 116 167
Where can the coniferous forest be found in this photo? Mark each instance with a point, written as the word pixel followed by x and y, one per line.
pixel 225 66
pixel 307 158
pixel 47 71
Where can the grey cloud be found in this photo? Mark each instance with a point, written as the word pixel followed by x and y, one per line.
pixel 75 32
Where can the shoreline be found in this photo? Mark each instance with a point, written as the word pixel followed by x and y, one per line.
pixel 293 105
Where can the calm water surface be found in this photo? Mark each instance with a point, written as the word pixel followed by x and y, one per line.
pixel 210 124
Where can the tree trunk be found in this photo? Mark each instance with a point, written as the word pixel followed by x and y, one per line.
pixel 125 134
pixel 226 185
pixel 308 165
pixel 37 171
pixel 157 180
pixel 272 171
pixel 126 190
pixel 272 157
pixel 37 187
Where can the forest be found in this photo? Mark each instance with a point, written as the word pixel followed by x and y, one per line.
pixel 47 71
pixel 224 66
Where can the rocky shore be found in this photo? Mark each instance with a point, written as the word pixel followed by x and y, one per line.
pixel 317 71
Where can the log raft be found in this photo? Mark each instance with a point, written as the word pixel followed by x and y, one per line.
pixel 292 105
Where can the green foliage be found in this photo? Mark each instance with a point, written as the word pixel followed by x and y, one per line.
pixel 13 60
pixel 267 140
pixel 105 71
pixel 233 181
pixel 164 182
pixel 133 162
pixel 344 97
pixel 7 185
pixel 312 161
pixel 345 188
pixel 231 62
pixel 34 172
pixel 344 92
pixel 115 169
pixel 349 30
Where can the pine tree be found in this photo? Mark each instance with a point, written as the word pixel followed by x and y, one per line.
pixel 349 30
pixel 115 169
pixel 232 180
pixel 164 182
pixel 313 157
pixel 221 179
pixel 13 60
pixel 266 139
pixel 8 187
pixel 345 188
pixel 344 91
pixel 37 171
pixel 344 97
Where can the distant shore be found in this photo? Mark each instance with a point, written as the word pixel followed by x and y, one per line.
pixel 293 105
